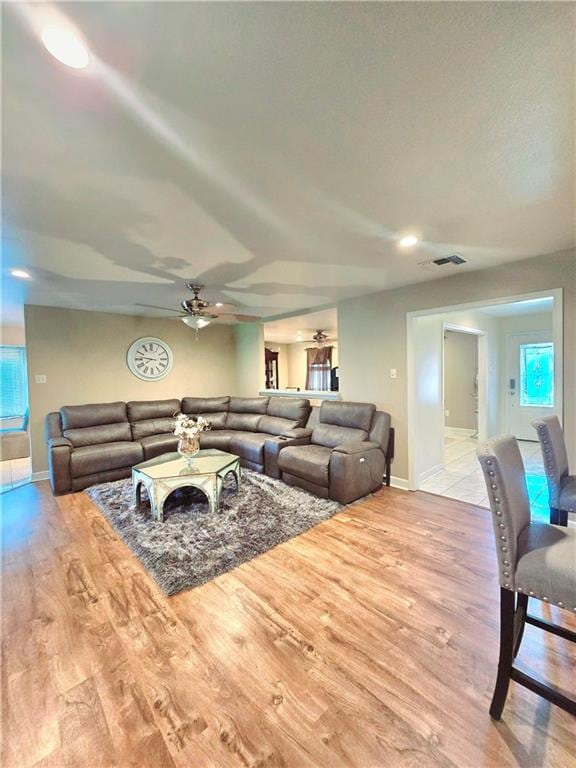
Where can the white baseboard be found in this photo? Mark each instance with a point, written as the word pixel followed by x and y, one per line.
pixel 37 476
pixel 458 432
pixel 430 473
pixel 399 482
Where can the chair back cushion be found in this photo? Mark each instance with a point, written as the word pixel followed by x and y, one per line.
pixel 249 405
pixel 293 408
pixel 554 454
pixel 94 415
pixel 244 422
pixel 346 414
pixel 151 417
pixel 140 410
pixel 330 435
pixel 95 423
pixel 202 405
pixel 213 409
pixel 503 470
pixel 284 413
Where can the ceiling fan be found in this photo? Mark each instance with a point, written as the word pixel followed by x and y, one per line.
pixel 195 310
pixel 319 338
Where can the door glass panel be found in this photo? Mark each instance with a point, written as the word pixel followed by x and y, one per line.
pixel 537 374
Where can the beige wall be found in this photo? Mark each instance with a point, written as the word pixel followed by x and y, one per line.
pixel 83 356
pixel 250 365
pixel 460 369
pixel 372 334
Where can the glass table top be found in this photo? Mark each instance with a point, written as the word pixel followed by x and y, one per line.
pixel 208 461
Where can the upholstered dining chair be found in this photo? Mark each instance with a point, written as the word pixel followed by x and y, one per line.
pixel 535 560
pixel 561 485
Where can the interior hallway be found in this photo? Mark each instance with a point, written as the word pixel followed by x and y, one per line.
pixel 462 478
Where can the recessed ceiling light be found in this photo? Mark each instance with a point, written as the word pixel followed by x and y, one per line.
pixel 218 304
pixel 408 241
pixel 19 273
pixel 66 46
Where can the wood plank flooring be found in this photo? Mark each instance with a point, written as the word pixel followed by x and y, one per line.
pixel 368 642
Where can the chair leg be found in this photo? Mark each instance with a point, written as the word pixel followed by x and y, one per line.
pixel 507 647
pixel 520 621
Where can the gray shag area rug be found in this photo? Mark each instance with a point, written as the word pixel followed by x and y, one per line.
pixel 192 545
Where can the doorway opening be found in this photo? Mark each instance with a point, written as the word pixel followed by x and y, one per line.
pixel 301 355
pixel 477 371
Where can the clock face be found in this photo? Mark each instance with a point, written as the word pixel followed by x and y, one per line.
pixel 150 359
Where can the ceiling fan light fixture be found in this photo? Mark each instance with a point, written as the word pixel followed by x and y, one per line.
pixel 196 322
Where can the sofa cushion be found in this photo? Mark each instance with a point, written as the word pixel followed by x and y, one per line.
pixel 330 435
pixel 139 410
pixel 202 405
pixel 344 414
pixel 249 446
pixel 274 425
pixel 216 420
pixel 156 445
pixel 294 408
pixel 248 404
pixel 219 439
pixel 310 462
pixel 78 416
pixel 148 427
pixel 246 422
pixel 99 458
pixel 106 433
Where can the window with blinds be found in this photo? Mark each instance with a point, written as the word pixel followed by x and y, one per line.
pixel 13 387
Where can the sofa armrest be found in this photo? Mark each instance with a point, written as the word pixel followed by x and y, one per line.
pixel 59 451
pixel 274 445
pixel 59 442
pixel 356 471
pixel 357 447
pixel 297 434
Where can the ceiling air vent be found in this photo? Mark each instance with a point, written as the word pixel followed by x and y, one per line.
pixel 454 259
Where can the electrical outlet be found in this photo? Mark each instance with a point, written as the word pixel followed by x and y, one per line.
pixel 446 412
pixel 393 373
pixel 40 378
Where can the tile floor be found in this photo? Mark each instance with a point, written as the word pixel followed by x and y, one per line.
pixel 462 478
pixel 14 473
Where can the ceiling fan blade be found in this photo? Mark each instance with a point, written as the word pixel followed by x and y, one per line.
pixel 166 309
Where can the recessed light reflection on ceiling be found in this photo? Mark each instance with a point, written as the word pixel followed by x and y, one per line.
pixel 66 46
pixel 408 241
pixel 20 273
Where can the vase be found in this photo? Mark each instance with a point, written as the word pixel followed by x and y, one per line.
pixel 188 447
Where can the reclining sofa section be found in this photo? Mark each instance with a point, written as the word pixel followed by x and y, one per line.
pixel 339 451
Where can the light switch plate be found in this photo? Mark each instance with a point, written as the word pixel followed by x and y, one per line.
pixel 393 373
pixel 40 378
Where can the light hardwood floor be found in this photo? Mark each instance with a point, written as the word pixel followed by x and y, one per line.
pixel 368 642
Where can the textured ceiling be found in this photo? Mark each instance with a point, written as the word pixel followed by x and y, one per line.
pixel 276 151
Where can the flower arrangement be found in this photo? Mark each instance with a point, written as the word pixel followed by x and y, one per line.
pixel 190 427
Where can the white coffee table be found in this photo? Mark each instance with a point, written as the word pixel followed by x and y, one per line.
pixel 162 475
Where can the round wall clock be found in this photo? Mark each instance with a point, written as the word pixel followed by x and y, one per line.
pixel 149 358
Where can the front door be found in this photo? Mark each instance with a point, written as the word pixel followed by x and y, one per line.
pixel 529 381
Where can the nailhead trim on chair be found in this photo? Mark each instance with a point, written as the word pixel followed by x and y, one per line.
pixel 494 487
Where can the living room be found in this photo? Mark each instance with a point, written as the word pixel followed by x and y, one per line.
pixel 241 242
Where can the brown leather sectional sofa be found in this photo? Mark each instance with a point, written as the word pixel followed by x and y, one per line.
pixel 340 450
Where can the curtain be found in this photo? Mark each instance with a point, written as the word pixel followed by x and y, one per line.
pixel 319 365
pixel 13 386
